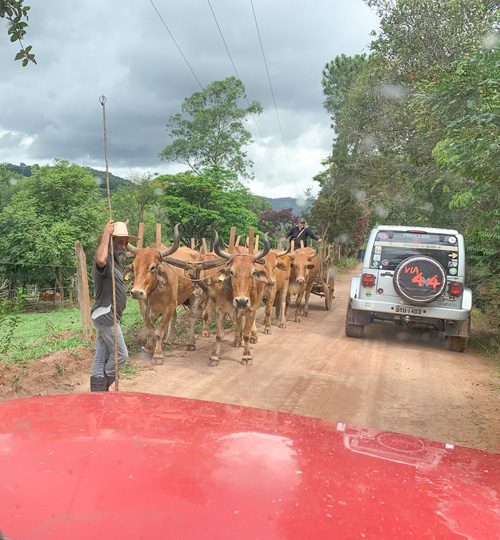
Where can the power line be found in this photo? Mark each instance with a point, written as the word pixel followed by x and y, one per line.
pixel 177 45
pixel 272 91
pixel 237 75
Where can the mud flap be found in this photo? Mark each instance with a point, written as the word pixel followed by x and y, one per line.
pixel 457 328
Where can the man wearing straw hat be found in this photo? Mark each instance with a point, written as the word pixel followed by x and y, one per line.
pixel 103 367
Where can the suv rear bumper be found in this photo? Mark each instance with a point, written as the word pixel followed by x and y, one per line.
pixel 415 312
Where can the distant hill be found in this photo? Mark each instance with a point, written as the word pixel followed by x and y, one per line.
pixel 281 203
pixel 115 182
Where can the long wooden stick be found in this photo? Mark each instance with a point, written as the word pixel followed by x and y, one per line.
pixel 102 100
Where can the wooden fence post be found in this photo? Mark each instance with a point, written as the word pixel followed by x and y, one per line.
pixel 82 291
pixel 193 243
pixel 204 248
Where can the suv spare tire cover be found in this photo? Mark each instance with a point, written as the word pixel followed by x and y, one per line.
pixel 419 279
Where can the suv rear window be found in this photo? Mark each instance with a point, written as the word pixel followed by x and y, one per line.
pixel 392 247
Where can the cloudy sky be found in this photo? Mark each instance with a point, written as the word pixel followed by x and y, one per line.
pixel 86 48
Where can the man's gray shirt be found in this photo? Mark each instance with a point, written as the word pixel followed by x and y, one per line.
pixel 102 310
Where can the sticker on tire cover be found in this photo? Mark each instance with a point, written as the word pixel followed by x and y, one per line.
pixel 386 262
pixel 453 271
pixel 452 239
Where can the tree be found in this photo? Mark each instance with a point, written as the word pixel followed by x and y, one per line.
pixel 16 13
pixel 38 228
pixel 421 39
pixel 277 223
pixel 210 131
pixel 140 203
pixel 9 183
pixel 202 203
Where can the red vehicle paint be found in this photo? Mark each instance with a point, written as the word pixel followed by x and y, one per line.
pixel 125 465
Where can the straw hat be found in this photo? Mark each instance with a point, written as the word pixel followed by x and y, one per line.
pixel 122 230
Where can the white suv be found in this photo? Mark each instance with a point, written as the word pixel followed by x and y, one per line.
pixel 413 275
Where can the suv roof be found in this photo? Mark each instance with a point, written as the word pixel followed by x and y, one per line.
pixel 415 228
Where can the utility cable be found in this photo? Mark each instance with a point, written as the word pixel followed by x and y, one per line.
pixel 176 44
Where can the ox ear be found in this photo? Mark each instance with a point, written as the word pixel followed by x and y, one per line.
pixel 281 265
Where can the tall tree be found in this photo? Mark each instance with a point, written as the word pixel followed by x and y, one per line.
pixel 202 203
pixel 51 210
pixel 210 131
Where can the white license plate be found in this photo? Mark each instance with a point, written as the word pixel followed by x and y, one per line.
pixel 408 310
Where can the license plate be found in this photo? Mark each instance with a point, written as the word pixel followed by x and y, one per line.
pixel 409 310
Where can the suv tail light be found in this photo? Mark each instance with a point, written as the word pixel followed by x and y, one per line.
pixel 455 288
pixel 368 280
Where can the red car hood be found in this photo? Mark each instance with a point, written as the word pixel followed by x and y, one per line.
pixel 125 465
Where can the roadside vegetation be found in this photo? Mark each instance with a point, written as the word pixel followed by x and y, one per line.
pixel 414 142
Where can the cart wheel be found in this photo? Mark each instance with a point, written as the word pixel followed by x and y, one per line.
pixel 328 299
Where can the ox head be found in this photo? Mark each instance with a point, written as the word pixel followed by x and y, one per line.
pixel 243 269
pixel 148 269
pixel 274 262
pixel 301 263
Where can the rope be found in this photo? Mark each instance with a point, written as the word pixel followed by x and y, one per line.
pixel 102 101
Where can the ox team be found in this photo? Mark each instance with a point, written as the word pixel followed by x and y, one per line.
pixel 214 285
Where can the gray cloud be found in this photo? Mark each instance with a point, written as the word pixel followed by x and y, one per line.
pixel 121 49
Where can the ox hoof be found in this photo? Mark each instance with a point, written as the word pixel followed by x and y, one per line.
pixel 190 347
pixel 297 319
pixel 306 314
pixel 282 325
pixel 214 361
pixel 267 330
pixel 236 344
pixel 157 360
pixel 253 339
pixel 247 361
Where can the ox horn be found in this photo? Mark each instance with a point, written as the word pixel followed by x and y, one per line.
pixel 283 253
pixel 175 244
pixel 176 262
pixel 132 250
pixel 264 251
pixel 219 251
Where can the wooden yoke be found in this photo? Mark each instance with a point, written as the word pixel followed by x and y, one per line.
pixel 140 234
pixel 232 236
pixel 251 240
pixel 158 235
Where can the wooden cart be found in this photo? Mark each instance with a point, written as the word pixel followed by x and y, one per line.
pixel 324 285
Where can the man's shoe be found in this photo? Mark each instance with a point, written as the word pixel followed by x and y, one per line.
pixel 109 381
pixel 98 384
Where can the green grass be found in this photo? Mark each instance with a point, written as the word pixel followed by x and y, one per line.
pixel 485 337
pixel 40 334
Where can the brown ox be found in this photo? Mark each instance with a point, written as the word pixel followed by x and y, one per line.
pixel 160 288
pixel 237 292
pixel 50 296
pixel 304 269
pixel 277 266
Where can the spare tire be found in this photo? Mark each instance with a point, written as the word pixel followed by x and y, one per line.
pixel 419 279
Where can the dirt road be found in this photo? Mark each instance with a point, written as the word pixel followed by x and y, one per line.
pixel 402 380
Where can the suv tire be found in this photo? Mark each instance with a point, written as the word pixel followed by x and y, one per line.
pixel 456 343
pixel 353 330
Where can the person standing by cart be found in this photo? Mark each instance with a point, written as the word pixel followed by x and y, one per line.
pixel 300 233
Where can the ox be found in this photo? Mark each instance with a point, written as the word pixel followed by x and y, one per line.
pixel 50 296
pixel 304 269
pixel 277 266
pixel 159 288
pixel 237 292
